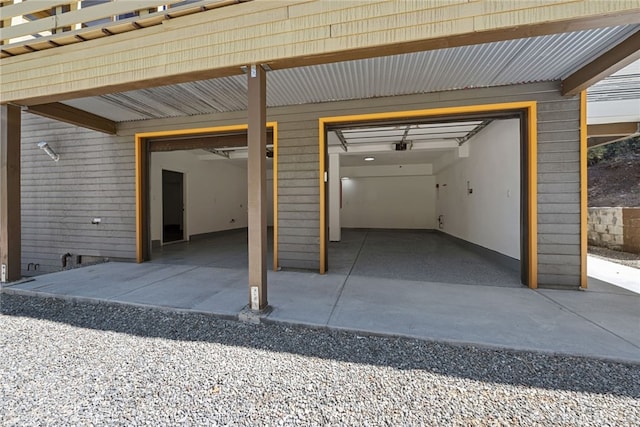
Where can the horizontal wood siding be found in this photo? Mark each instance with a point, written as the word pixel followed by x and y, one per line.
pixel 559 192
pixel 285 34
pixel 94 178
pixel 96 181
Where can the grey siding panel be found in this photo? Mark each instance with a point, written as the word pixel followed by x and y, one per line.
pixel 559 229
pixel 552 249
pixel 559 280
pixel 559 192
pixel 97 170
pixel 94 179
pixel 558 162
pixel 559 219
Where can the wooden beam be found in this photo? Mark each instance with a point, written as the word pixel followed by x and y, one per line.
pixel 613 129
pixel 10 225
pixel 74 116
pixel 605 140
pixel 202 142
pixel 257 183
pixel 606 64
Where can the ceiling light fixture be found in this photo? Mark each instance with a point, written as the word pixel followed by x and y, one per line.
pixel 369 159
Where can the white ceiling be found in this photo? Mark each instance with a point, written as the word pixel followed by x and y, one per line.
pixel 392 158
pixel 546 58
pixel 425 142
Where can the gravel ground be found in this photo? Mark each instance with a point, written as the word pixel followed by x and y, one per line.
pixel 619 257
pixel 65 363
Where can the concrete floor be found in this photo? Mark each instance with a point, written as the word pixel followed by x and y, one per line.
pixel 416 255
pixel 405 255
pixel 362 294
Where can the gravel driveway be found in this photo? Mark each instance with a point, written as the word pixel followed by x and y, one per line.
pixel 65 363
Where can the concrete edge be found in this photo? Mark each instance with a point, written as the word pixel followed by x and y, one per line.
pixel 98 301
pixel 458 343
pixel 264 319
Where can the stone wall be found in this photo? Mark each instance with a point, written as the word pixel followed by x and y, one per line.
pixel 615 228
pixel 631 228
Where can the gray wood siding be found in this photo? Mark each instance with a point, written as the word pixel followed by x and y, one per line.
pixel 558 171
pixel 101 176
pixel 94 179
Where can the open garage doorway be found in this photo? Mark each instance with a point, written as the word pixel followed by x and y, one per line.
pixel 205 221
pixel 442 198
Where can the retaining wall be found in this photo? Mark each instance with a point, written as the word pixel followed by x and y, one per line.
pixel 615 228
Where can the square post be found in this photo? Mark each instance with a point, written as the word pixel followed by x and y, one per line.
pixel 335 196
pixel 257 187
pixel 10 225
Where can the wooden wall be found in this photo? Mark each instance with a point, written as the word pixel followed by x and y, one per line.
pixel 95 177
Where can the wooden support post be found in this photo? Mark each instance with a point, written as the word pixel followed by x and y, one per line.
pixel 10 239
pixel 257 187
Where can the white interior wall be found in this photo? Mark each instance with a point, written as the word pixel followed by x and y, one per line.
pixel 215 193
pixel 388 197
pixel 490 215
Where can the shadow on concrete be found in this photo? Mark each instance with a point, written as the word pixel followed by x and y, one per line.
pixel 518 368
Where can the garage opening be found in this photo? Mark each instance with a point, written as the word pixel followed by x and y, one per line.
pixel 193 187
pixel 438 199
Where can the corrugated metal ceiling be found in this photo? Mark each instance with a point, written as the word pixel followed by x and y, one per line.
pixel 544 58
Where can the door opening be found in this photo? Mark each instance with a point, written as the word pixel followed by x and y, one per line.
pixel 172 206
pixel 439 124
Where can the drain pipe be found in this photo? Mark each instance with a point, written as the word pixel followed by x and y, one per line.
pixel 64 259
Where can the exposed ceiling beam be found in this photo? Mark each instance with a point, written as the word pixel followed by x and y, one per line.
pixel 342 140
pixel 613 129
pixel 609 133
pixel 606 64
pixel 74 116
pixel 474 132
pixel 597 141
pixel 441 144
pixel 224 154
pixel 203 142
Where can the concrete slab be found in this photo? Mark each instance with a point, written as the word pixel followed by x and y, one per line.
pixel 187 289
pixel 226 302
pixel 615 313
pixel 484 315
pixel 303 298
pixel 483 308
pixel 103 280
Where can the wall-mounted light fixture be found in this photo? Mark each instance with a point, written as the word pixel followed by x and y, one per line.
pixel 44 146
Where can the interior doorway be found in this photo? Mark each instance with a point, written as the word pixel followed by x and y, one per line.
pixel 204 156
pixel 172 206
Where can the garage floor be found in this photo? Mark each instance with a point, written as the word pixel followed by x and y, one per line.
pixel 417 255
pixel 226 249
